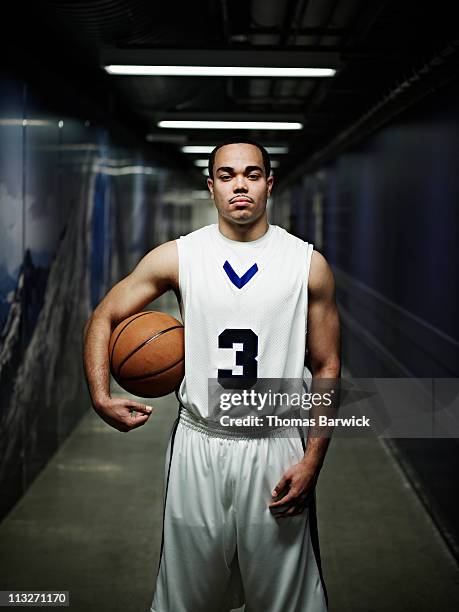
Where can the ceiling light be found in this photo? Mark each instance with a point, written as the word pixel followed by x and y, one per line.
pixel 201 163
pixel 227 71
pixel 197 149
pixel 277 150
pixel 207 149
pixel 230 125
pixel 275 163
pixel 26 122
pixel 124 171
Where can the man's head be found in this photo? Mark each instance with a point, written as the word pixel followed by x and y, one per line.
pixel 239 180
pixel 240 140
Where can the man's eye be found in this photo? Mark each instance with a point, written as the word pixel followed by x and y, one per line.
pixel 254 176
pixel 224 177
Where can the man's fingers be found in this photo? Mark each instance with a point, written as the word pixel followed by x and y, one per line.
pixel 282 512
pixel 291 510
pixel 133 421
pixel 142 408
pixel 280 486
pixel 125 414
pixel 139 420
pixel 284 500
pixel 138 415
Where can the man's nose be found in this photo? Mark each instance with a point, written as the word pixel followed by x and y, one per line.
pixel 240 184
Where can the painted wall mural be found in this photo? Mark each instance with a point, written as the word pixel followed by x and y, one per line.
pixel 78 209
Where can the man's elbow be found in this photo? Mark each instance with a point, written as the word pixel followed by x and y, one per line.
pixel 100 316
pixel 328 368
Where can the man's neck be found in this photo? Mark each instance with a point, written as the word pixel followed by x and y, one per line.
pixel 243 233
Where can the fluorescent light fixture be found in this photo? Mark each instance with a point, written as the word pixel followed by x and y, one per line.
pixel 227 71
pixel 197 149
pixel 275 163
pixel 26 122
pixel 205 149
pixel 230 125
pixel 277 150
pixel 206 174
pixel 123 171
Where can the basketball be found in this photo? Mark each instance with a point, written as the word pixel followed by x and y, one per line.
pixel 147 354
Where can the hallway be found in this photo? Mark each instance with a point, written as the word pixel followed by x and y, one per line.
pixel 91 524
pixel 114 117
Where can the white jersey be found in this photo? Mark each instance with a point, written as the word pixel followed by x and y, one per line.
pixel 244 308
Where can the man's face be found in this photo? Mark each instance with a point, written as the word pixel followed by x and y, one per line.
pixel 240 187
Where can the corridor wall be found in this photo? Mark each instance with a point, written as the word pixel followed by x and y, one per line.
pixel 385 214
pixel 79 206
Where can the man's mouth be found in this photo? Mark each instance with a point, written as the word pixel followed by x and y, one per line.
pixel 240 201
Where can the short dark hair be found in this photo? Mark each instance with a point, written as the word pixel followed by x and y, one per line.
pixel 240 140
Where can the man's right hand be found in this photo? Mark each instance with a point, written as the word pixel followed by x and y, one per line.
pixel 156 273
pixel 123 414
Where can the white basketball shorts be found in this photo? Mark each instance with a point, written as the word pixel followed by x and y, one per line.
pixel 221 545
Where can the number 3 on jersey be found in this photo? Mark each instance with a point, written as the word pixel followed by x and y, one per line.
pixel 247 358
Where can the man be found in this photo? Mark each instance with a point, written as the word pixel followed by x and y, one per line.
pixel 239 520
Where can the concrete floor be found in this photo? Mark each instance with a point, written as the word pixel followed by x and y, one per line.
pixel 91 524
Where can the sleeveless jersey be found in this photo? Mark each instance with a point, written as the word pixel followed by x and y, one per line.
pixel 244 308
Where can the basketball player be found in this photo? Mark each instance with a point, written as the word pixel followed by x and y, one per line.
pixel 239 518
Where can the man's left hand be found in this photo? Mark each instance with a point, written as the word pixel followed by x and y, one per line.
pixel 293 492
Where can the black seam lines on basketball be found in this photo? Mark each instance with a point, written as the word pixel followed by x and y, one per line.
pixel 144 376
pixel 160 333
pixel 119 334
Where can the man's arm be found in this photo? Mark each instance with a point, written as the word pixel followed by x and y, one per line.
pixel 324 349
pixel 323 341
pixel 154 275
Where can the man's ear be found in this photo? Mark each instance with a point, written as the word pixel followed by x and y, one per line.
pixel 210 185
pixel 270 182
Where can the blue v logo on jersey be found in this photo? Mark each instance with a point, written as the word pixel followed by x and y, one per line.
pixel 239 281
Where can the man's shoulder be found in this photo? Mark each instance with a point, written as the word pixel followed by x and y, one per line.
pixel 281 231
pixel 198 233
pixel 320 273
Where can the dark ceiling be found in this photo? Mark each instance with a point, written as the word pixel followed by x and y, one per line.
pixel 390 54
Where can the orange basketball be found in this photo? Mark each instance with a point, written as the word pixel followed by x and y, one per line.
pixel 147 354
